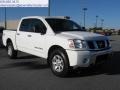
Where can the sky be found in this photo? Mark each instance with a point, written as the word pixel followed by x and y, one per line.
pixel 109 10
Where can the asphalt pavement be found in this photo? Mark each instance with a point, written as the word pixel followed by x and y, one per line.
pixel 28 72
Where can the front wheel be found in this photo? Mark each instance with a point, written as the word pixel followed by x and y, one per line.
pixel 59 63
pixel 11 52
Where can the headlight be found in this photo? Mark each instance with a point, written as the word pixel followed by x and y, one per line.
pixel 77 43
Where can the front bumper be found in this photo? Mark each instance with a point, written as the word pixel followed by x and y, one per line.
pixel 86 58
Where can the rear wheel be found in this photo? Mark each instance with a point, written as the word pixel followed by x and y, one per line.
pixel 59 63
pixel 11 52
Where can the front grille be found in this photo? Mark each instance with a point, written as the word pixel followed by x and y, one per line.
pixel 98 44
pixel 108 44
pixel 91 44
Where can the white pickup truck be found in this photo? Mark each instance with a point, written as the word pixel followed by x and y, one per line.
pixel 59 40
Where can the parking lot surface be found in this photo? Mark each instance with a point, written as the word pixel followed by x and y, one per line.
pixel 28 72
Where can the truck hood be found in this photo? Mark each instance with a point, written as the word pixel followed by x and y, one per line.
pixel 82 35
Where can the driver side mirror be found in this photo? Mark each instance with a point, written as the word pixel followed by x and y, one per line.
pixel 40 30
pixel 43 31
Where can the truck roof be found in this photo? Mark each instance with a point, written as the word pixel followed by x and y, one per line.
pixel 60 17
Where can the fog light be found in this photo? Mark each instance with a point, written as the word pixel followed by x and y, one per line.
pixel 86 60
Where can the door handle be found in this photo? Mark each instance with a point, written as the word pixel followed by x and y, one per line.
pixel 29 35
pixel 18 33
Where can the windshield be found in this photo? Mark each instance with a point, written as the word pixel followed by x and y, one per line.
pixel 63 25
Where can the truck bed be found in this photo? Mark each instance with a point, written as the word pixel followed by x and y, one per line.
pixel 9 33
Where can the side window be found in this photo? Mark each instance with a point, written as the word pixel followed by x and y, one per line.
pixel 39 26
pixel 25 24
pixel 33 25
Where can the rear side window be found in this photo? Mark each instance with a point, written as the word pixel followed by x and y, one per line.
pixel 25 24
pixel 32 25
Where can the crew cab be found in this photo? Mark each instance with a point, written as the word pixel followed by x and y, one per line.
pixel 59 40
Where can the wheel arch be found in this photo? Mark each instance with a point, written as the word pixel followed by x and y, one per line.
pixel 12 53
pixel 54 47
pixel 8 41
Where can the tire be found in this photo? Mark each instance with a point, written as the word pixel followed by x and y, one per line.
pixel 11 52
pixel 59 63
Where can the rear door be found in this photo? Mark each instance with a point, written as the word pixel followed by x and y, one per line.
pixel 24 36
pixel 30 37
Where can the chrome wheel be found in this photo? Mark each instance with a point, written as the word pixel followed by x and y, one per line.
pixel 10 50
pixel 58 63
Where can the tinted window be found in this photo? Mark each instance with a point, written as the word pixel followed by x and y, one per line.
pixel 25 25
pixel 32 25
pixel 38 26
pixel 59 25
